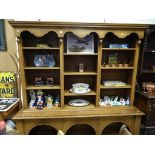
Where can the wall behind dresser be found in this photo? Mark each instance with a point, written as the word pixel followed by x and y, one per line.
pixel 6 62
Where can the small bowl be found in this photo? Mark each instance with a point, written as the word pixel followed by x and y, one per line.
pixel 126 65
pixel 113 65
pixel 80 86
pixel 105 65
pixel 120 65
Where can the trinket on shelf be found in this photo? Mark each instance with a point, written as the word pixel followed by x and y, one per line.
pixel 81 67
pixel 33 99
pixel 49 101
pixel 50 81
pixel 57 101
pixel 40 100
pixel 39 81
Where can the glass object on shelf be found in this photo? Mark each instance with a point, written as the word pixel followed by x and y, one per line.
pixel 44 61
pixel 80 88
pixel 113 101
pixel 118 45
pixel 78 102
pixel 33 99
pixel 114 83
pixel 81 67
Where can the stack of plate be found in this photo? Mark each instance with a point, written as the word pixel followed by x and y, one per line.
pixel 78 102
pixel 80 88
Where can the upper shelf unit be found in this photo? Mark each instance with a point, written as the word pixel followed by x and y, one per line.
pixel 97 40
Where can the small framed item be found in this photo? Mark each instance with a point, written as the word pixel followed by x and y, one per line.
pixel 2 36
pixel 118 45
pixel 44 61
pixel 113 58
pixel 7 103
pixel 80 45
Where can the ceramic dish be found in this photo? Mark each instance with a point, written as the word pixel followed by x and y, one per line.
pixel 84 91
pixel 78 102
pixel 80 87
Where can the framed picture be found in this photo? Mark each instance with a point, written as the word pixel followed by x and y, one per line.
pixel 80 45
pixel 2 36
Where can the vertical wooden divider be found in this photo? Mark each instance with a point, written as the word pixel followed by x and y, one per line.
pixel 98 81
pixel 62 72
pixel 22 73
pixel 134 74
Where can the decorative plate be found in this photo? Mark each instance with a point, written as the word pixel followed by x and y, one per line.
pixel 78 102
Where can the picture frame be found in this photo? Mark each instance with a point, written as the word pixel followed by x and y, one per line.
pixel 76 44
pixel 2 36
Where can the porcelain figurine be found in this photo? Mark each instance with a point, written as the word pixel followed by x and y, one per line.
pixel 49 101
pixel 33 99
pixel 127 101
pixel 101 102
pixel 122 101
pixel 57 101
pixel 116 102
pixel 40 100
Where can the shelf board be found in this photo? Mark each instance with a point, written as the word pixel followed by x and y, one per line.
pixel 32 87
pixel 34 109
pixel 78 112
pixel 118 49
pixel 147 71
pixel 117 68
pixel 35 68
pixel 79 73
pixel 113 87
pixel 41 48
pixel 68 93
pixel 81 54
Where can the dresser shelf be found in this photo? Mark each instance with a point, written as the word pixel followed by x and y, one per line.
pixel 65 73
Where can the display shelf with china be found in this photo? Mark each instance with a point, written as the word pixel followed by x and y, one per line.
pixel 119 66
pixel 80 74
pixel 68 63
pixel 40 65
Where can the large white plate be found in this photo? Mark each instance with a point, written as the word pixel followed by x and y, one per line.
pixel 78 102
